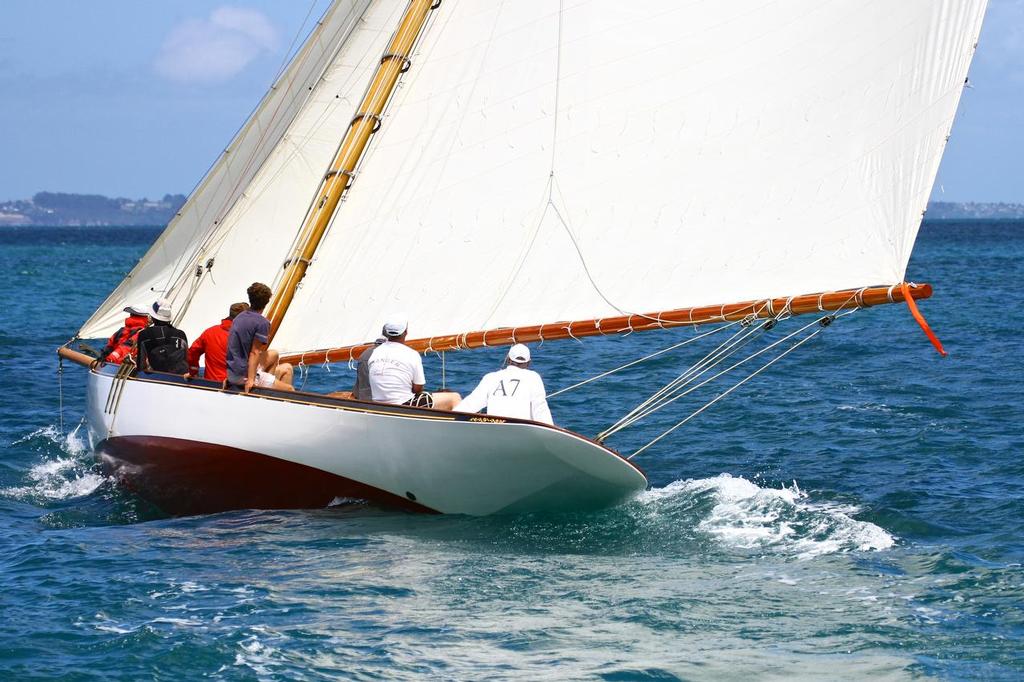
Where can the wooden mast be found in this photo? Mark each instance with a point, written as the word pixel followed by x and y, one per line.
pixel 608 326
pixel 338 179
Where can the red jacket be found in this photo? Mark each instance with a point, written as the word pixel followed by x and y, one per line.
pixel 122 344
pixel 214 344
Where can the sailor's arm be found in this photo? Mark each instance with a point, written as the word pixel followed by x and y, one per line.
pixel 254 361
pixel 196 351
pixel 419 378
pixel 111 344
pixel 141 355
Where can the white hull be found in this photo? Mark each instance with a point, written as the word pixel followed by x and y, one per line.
pixel 196 449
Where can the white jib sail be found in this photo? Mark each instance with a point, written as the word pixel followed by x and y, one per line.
pixel 246 211
pixel 549 161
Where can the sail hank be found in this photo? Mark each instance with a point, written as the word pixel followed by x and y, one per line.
pixel 337 180
pixel 610 326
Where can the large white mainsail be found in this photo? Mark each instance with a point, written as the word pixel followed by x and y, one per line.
pixel 548 162
pixel 245 212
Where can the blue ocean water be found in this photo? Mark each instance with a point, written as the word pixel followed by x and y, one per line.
pixel 853 512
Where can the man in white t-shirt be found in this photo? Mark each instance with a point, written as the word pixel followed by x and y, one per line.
pixel 395 371
pixel 512 392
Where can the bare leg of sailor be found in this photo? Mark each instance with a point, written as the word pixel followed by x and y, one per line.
pixel 268 361
pixel 446 400
pixel 282 386
pixel 284 373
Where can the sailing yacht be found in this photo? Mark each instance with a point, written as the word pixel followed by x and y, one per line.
pixel 527 171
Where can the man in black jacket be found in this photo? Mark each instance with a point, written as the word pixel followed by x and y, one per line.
pixel 162 347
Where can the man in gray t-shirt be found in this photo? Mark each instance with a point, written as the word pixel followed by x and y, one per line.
pixel 249 361
pixel 248 328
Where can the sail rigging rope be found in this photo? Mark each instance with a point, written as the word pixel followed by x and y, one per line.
pixel 175 274
pixel 655 354
pixel 60 390
pixel 676 388
pixel 216 235
pixel 822 323
pixel 729 390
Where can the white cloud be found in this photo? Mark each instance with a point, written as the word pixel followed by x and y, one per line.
pixel 214 49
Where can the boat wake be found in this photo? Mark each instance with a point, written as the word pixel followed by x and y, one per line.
pixel 745 516
pixel 65 471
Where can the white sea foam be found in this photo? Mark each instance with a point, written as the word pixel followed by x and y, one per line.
pixel 72 443
pixel 255 655
pixel 66 476
pixel 747 516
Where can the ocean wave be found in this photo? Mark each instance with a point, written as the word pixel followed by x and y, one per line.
pixel 67 475
pixel 746 516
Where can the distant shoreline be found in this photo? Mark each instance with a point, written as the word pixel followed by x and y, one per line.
pixel 51 209
pixel 928 221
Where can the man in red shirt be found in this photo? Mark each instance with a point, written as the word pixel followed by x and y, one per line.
pixel 122 344
pixel 214 344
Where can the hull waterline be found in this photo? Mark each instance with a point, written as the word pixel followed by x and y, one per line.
pixel 190 448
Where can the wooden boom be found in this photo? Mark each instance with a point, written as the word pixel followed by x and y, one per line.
pixel 75 357
pixel 337 180
pixel 764 308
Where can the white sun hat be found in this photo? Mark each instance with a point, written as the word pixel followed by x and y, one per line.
pixel 519 353
pixel 161 310
pixel 396 324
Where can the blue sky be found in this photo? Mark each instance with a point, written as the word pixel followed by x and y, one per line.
pixel 108 96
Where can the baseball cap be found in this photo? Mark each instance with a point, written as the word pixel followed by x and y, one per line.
pixel 161 310
pixel 519 353
pixel 396 325
pixel 137 309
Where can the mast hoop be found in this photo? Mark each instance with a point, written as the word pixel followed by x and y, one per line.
pixel 305 261
pixel 351 175
pixel 406 62
pixel 365 114
pixel 331 173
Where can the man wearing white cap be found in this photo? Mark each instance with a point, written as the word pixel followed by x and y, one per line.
pixel 515 391
pixel 162 346
pixel 395 371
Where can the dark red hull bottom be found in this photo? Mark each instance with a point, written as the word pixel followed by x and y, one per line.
pixel 184 477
